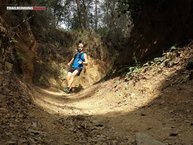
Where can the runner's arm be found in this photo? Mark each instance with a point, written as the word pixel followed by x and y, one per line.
pixel 86 60
pixel 71 61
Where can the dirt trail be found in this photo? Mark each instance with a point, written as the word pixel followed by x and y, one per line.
pixel 158 102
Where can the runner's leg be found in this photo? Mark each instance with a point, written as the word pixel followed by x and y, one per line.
pixel 69 75
pixel 72 78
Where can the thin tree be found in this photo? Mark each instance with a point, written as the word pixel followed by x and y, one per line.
pixel 79 14
pixel 96 14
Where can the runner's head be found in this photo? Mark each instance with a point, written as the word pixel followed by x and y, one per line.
pixel 80 47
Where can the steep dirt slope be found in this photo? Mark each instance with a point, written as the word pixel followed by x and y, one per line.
pixel 39 53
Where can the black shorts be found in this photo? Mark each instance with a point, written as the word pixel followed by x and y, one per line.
pixel 73 69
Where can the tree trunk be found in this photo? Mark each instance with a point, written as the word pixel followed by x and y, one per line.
pixel 85 19
pixel 96 15
pixel 79 14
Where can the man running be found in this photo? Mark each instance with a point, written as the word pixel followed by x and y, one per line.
pixel 76 65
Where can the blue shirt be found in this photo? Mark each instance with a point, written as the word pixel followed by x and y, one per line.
pixel 79 56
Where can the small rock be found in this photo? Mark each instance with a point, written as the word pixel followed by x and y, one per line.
pixel 34 124
pixel 99 126
pixel 11 142
pixel 143 114
pixel 173 134
pixel 3 110
pixel 172 119
pixel 187 121
pixel 32 140
pixel 36 132
pixel 114 142
pixel 171 111
pixel 126 87
pixel 144 139
pixel 188 111
pixel 162 102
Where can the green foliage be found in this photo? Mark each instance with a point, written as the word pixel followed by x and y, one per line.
pixel 13 40
pixel 132 72
pixel 129 69
pixel 137 63
pixel 133 69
